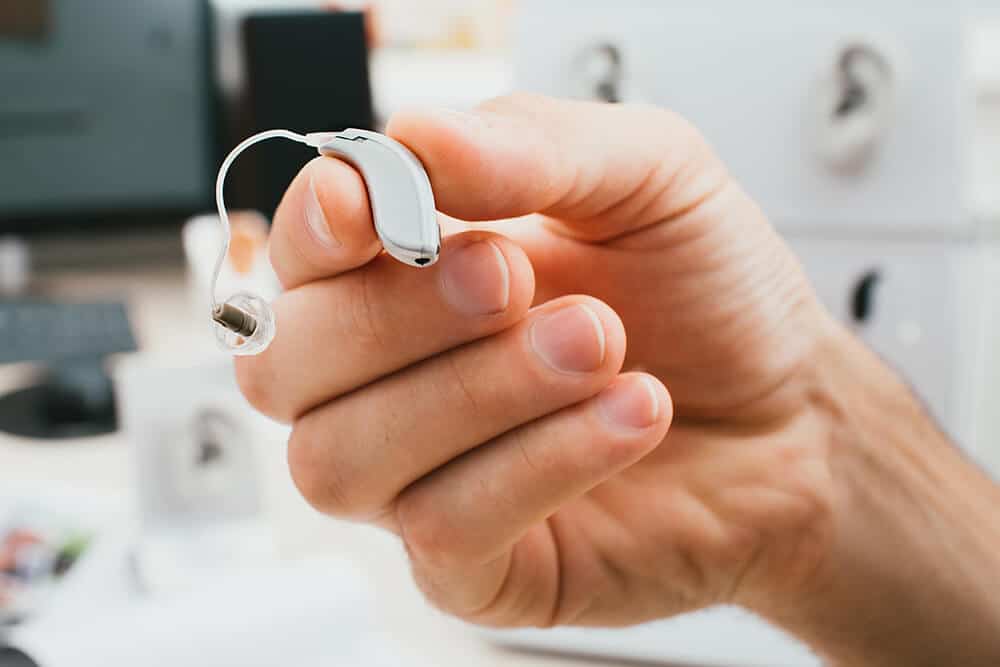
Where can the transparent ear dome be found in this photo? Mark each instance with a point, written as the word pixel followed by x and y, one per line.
pixel 244 325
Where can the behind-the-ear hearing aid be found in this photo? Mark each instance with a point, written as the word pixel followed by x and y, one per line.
pixel 853 105
pixel 403 211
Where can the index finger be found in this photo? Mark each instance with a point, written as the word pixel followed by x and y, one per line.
pixel 602 170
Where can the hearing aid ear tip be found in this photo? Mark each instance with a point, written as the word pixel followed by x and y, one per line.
pixel 235 319
pixel 245 325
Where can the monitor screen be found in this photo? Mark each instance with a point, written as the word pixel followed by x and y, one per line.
pixel 306 71
pixel 106 108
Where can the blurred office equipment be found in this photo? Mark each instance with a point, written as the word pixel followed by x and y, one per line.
pixel 106 134
pixel 10 657
pixel 46 531
pixel 318 611
pixel 856 128
pixel 71 340
pixel 106 115
pixel 200 500
pixel 24 19
pixel 306 72
pixel 15 266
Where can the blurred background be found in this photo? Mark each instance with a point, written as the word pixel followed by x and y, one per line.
pixel 146 514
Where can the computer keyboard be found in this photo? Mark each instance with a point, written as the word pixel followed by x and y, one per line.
pixel 55 332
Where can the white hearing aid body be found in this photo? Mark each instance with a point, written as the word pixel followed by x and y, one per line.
pixel 403 212
pixel 399 191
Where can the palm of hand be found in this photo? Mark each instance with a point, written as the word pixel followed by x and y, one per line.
pixel 705 519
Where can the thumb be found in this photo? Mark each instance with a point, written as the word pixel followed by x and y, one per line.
pixel 602 170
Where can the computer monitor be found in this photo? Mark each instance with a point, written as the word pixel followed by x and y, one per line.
pixel 106 113
pixel 306 71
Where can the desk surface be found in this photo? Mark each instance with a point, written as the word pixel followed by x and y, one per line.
pixel 169 327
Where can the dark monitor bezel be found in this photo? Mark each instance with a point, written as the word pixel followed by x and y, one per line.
pixel 154 214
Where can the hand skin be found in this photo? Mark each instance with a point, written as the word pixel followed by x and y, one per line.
pixel 490 411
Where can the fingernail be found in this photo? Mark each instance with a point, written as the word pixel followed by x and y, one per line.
pixel 570 340
pixel 475 279
pixel 316 219
pixel 631 404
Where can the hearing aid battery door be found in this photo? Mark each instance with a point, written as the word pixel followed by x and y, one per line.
pixel 400 193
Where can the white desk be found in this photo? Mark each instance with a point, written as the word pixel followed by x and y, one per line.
pixel 168 328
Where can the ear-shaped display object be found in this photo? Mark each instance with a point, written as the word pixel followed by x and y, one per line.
pixel 853 105
pixel 403 211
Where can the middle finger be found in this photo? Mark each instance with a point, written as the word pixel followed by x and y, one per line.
pixel 342 333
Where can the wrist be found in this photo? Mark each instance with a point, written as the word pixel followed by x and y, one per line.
pixel 915 536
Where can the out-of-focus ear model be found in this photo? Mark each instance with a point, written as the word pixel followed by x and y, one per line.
pixel 403 210
pixel 854 104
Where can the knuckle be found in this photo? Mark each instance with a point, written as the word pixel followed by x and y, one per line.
pixel 684 139
pixel 512 102
pixel 258 383
pixel 365 323
pixel 320 480
pixel 463 381
pixel 427 535
pixel 668 122
pixel 670 130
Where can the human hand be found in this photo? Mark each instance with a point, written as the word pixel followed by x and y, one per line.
pixel 489 411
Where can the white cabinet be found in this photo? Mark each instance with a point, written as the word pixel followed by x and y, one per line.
pixel 920 305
